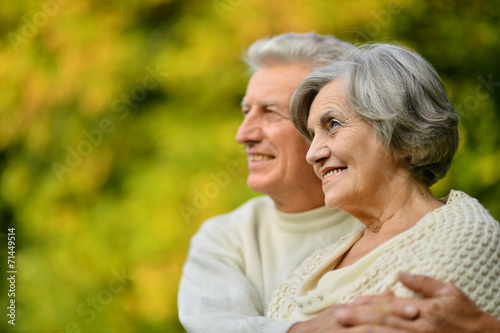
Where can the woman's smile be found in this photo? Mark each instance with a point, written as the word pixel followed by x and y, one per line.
pixel 328 174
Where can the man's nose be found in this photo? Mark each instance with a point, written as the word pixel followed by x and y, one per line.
pixel 250 129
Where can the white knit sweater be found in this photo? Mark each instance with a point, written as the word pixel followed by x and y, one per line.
pixel 237 260
pixel 458 242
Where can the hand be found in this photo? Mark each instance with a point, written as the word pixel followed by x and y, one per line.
pixel 363 318
pixel 444 308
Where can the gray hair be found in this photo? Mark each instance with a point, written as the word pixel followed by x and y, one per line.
pixel 401 95
pixel 292 48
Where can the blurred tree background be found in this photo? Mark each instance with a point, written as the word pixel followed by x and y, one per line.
pixel 117 135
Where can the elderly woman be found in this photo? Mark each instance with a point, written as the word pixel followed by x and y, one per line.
pixel 382 130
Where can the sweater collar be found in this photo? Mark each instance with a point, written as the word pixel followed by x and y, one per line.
pixel 312 220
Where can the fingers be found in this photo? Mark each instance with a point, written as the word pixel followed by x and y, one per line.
pixel 425 285
pixel 432 288
pixel 400 307
pixel 382 314
pixel 372 329
pixel 372 299
pixel 385 296
pixel 388 293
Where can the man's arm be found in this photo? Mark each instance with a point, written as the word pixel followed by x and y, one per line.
pixel 215 294
pixel 444 308
pixel 356 319
pixel 363 317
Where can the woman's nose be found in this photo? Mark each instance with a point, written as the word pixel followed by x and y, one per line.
pixel 318 152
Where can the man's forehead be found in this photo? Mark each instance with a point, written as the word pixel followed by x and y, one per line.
pixel 278 78
pixel 269 93
pixel 263 103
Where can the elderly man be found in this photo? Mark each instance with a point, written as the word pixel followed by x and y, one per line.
pixel 237 260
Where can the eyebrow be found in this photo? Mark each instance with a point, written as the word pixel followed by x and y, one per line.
pixel 272 104
pixel 322 119
pixel 325 115
pixel 265 104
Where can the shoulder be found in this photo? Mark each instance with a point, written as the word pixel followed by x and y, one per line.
pixel 475 258
pixel 251 210
pixel 475 232
pixel 230 224
pixel 458 242
pixel 462 225
pixel 464 215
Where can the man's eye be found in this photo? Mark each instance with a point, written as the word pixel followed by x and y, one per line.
pixel 245 111
pixel 276 114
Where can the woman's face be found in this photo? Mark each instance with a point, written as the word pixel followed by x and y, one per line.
pixel 347 156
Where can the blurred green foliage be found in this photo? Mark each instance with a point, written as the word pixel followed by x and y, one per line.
pixel 118 119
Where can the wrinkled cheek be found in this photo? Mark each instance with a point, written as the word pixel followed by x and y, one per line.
pixel 368 183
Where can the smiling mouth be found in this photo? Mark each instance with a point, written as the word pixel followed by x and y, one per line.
pixel 259 158
pixel 333 172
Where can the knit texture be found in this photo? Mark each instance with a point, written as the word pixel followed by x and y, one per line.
pixel 237 260
pixel 458 242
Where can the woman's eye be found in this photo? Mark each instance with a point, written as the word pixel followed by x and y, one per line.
pixel 333 123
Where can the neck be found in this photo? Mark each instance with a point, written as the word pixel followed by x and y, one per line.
pixel 396 211
pixel 298 201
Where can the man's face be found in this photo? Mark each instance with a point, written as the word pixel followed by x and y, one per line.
pixel 275 149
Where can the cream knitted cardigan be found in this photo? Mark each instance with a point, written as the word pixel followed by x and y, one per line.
pixel 458 242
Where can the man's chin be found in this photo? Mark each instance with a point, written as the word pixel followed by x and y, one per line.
pixel 260 185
